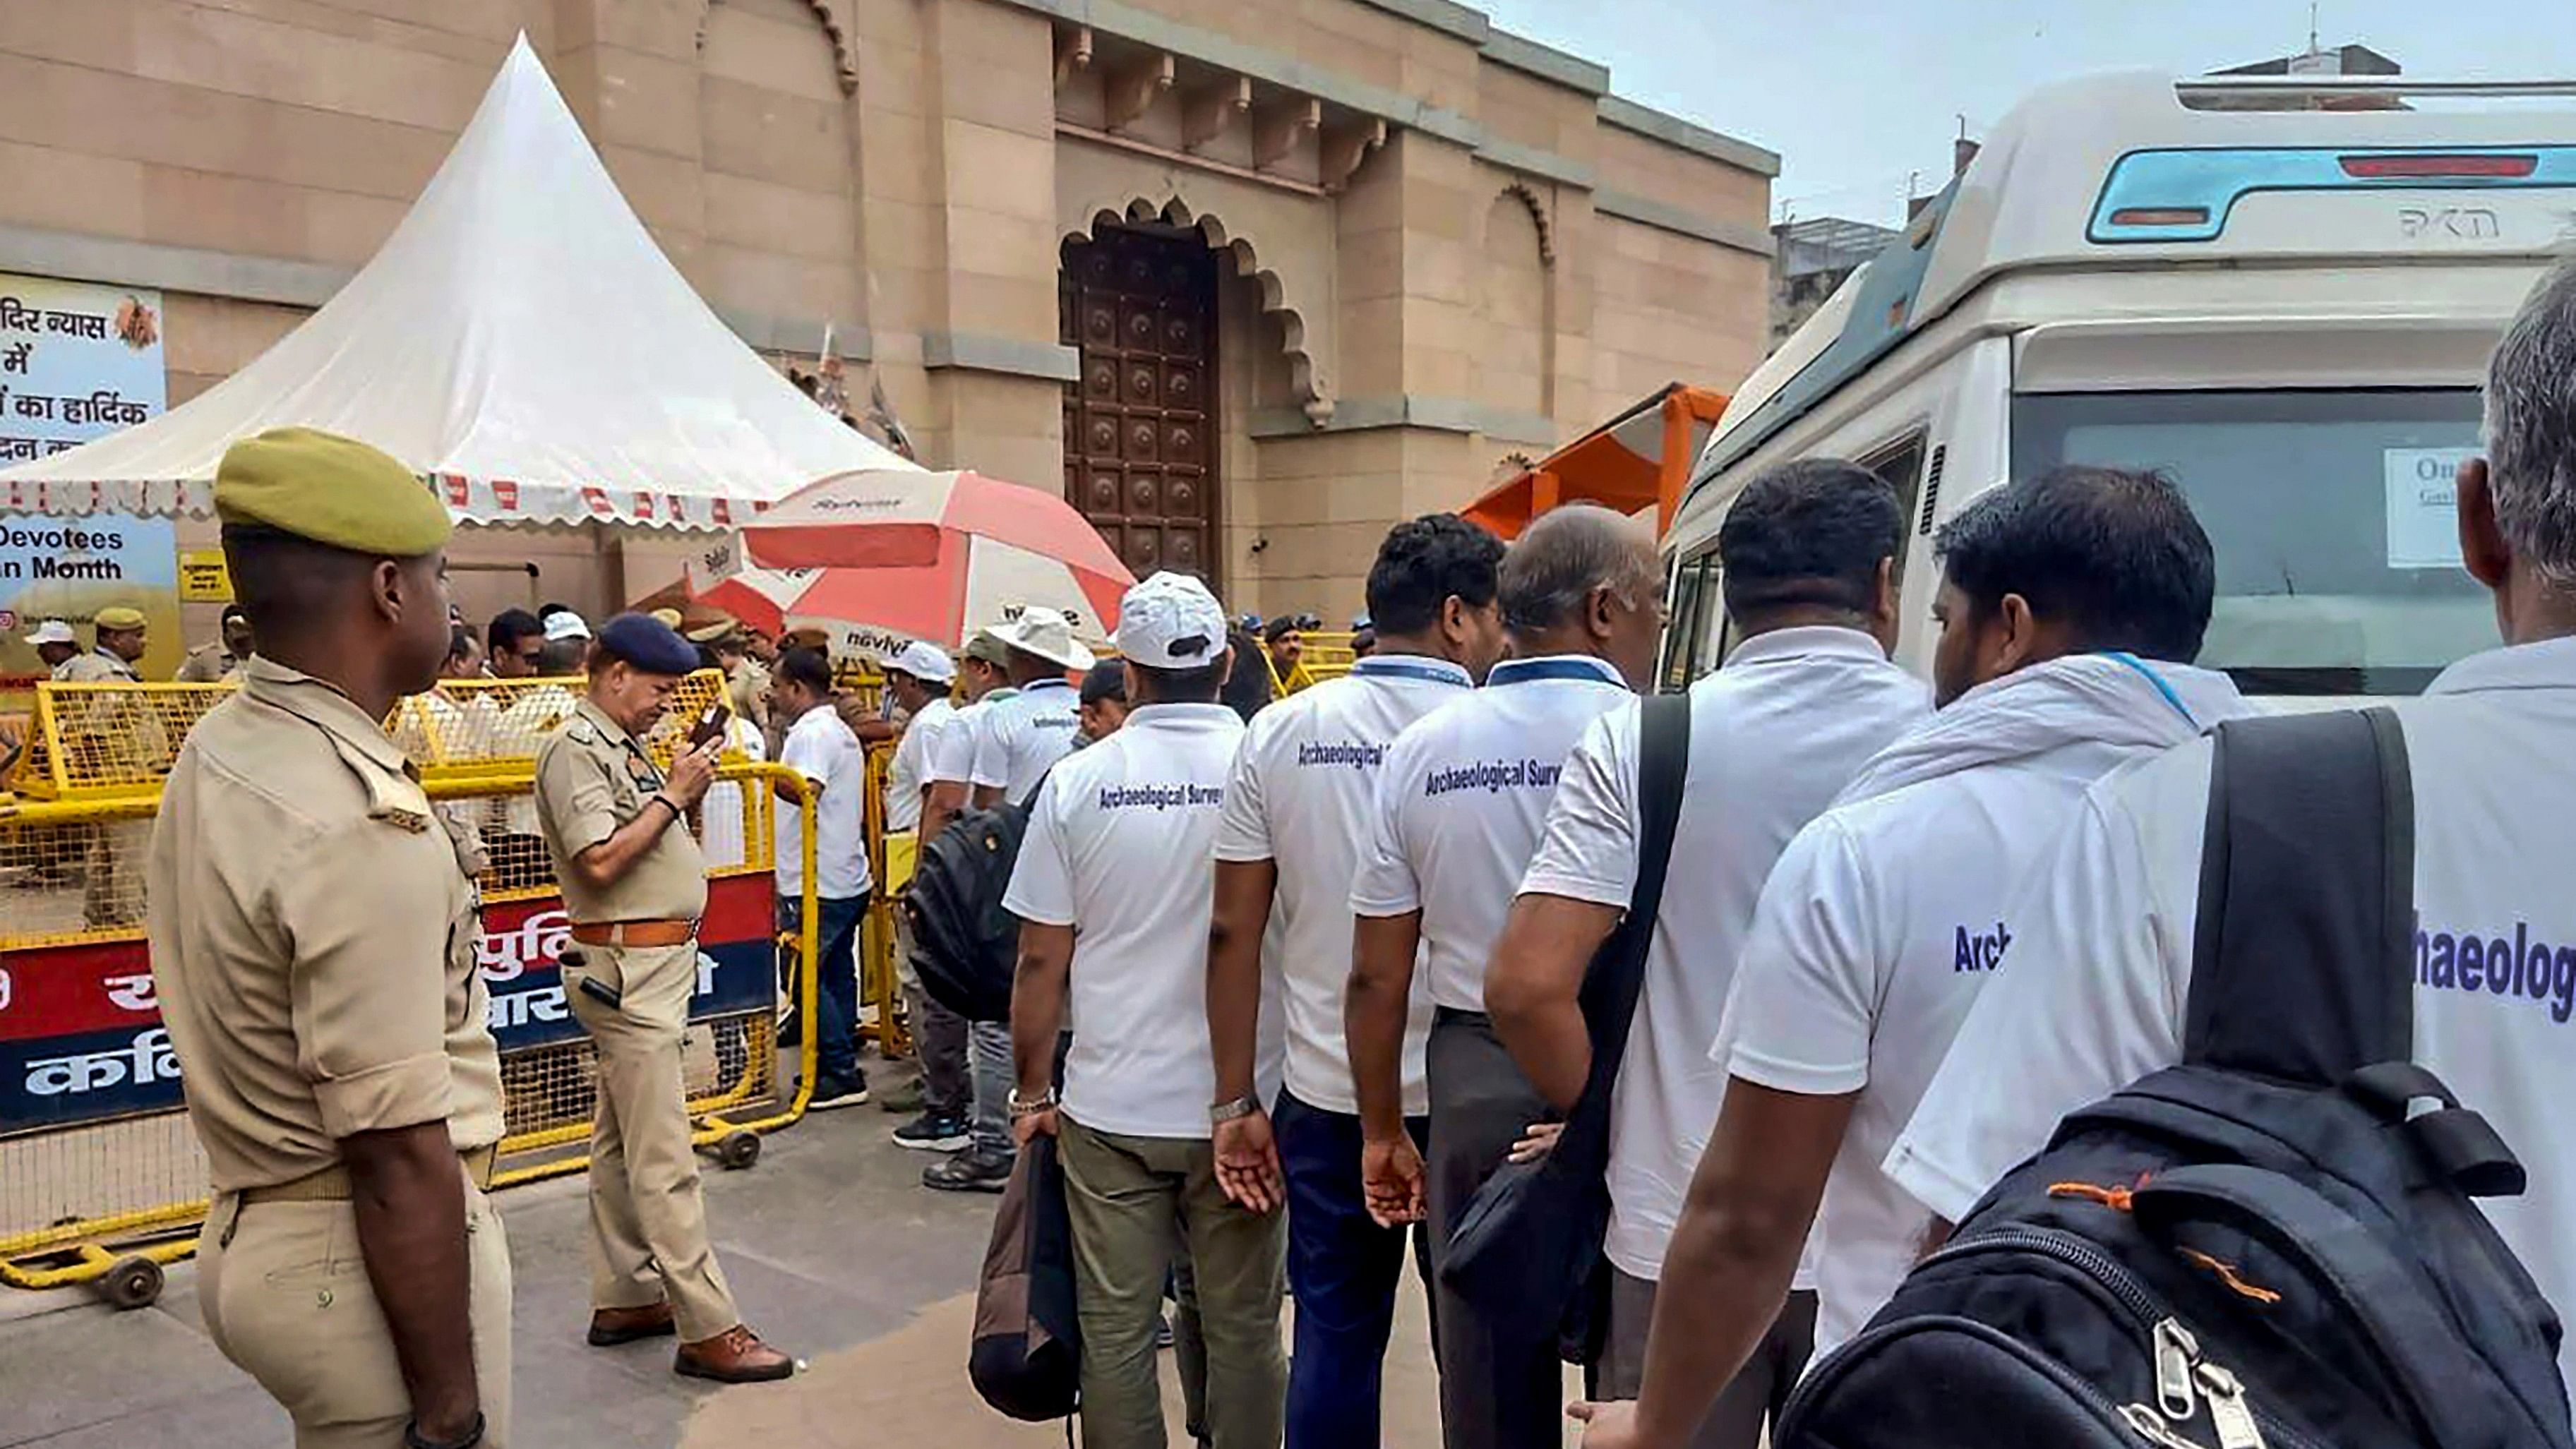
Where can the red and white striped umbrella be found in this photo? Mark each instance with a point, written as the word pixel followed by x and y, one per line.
pixel 892 556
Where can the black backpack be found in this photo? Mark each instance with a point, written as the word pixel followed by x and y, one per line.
pixel 2274 1243
pixel 966 945
pixel 1026 1355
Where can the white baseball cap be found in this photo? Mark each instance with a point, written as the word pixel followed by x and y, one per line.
pixel 1046 633
pixel 924 661
pixel 1171 621
pixel 567 625
pixel 53 631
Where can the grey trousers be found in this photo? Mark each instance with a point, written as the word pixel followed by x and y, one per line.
pixel 1760 1391
pixel 1137 1204
pixel 1501 1382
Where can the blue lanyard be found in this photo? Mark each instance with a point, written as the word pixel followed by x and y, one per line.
pixel 2158 680
pixel 1527 671
pixel 1402 667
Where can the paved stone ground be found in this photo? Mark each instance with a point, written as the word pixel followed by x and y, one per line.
pixel 832 1246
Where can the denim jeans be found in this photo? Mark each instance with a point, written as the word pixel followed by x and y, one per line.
pixel 836 981
pixel 1343 1269
pixel 988 1047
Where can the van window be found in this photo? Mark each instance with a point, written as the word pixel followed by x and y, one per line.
pixel 1694 590
pixel 2338 567
pixel 1901 467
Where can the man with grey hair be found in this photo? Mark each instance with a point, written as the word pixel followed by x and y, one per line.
pixel 1462 800
pixel 2101 962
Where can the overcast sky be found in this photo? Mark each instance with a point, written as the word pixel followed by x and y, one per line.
pixel 1854 94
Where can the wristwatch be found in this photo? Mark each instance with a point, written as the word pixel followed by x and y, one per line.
pixel 1236 1110
pixel 1021 1107
pixel 473 1435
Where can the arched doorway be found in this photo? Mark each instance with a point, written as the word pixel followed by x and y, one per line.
pixel 1139 302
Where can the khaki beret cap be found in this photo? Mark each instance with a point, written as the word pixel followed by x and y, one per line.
pixel 332 490
pixel 120 617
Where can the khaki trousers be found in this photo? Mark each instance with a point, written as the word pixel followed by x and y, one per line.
pixel 112 893
pixel 648 1226
pixel 1136 1203
pixel 286 1298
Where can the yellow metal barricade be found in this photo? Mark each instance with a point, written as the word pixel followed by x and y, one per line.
pixel 101 1178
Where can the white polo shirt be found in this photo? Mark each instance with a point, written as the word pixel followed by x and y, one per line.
pixel 909 775
pixel 1885 916
pixel 1121 846
pixel 1775 735
pixel 822 749
pixel 1023 736
pixel 2102 970
pixel 952 754
pixel 1300 796
pixel 1460 806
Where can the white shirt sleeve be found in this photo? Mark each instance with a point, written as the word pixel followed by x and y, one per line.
pixel 1243 827
pixel 1589 852
pixel 1385 884
pixel 992 763
pixel 1799 1017
pixel 808 753
pixel 2088 999
pixel 952 751
pixel 1042 878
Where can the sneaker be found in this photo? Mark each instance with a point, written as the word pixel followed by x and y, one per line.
pixel 1162 1330
pixel 906 1098
pixel 970 1171
pixel 931 1132
pixel 831 1092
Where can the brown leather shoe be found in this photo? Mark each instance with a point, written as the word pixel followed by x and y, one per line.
pixel 735 1356
pixel 610 1327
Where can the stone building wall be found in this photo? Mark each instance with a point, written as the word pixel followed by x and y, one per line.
pixel 1436 244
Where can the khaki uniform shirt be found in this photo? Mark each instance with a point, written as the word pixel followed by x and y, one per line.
pixel 748 687
pixel 212 664
pixel 114 733
pixel 592 778
pixel 313 938
pixel 97 667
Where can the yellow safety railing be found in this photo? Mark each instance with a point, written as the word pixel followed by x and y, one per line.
pixel 107 1198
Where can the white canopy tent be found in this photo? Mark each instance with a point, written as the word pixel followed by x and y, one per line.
pixel 520 341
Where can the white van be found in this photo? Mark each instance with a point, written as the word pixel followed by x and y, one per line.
pixel 2281 291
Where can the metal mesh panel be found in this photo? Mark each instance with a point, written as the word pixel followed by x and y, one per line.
pixel 478 726
pixel 1328 656
pixel 91 740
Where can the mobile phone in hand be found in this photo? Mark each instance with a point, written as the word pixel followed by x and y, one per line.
pixel 715 724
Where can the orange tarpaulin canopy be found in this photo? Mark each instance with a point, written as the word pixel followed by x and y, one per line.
pixel 1640 459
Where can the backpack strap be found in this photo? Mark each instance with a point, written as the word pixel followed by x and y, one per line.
pixel 2303 957
pixel 1617 975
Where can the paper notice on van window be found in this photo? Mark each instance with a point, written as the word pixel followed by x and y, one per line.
pixel 2423 524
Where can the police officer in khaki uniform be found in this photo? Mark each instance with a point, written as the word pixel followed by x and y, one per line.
pixel 219 662
pixel 313 952
pixel 746 678
pixel 120 646
pixel 108 731
pixel 635 884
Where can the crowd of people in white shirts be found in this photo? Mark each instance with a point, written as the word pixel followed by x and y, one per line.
pixel 1322 974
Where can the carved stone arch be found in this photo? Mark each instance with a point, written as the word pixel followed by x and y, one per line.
pixel 1300 344
pixel 836 28
pixel 1522 191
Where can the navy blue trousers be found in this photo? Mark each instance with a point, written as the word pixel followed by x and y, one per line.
pixel 1343 1270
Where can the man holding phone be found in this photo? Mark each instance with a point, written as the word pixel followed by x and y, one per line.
pixel 635 883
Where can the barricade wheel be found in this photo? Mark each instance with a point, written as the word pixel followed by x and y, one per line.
pixel 739 1149
pixel 131 1282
